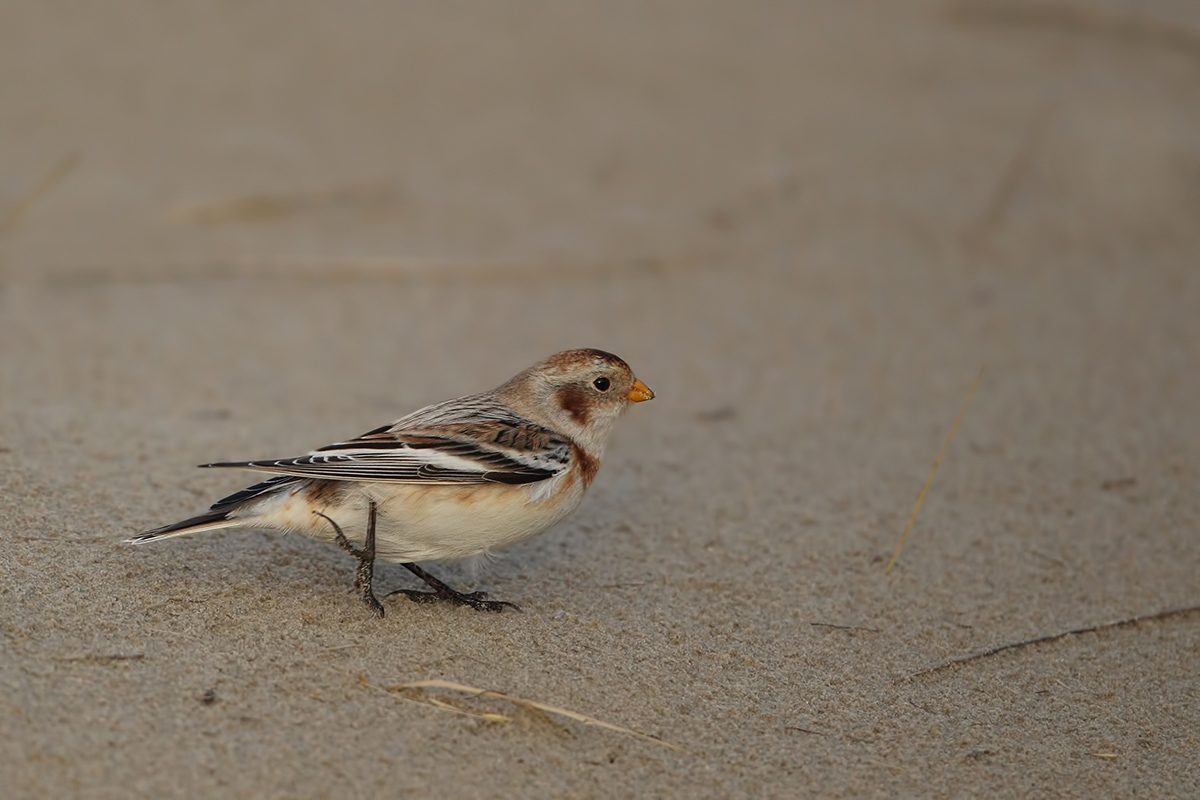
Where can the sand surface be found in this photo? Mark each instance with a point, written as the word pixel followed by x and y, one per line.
pixel 232 232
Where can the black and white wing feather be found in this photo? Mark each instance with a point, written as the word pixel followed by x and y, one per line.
pixel 469 440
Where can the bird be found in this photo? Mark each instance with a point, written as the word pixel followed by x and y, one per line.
pixel 449 481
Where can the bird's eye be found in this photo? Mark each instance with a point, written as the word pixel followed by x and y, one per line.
pixel 601 383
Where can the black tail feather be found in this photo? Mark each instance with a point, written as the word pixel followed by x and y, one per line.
pixel 202 519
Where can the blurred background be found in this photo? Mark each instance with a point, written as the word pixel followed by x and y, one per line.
pixel 186 138
pixel 238 230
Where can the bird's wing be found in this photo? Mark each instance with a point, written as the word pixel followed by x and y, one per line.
pixel 469 440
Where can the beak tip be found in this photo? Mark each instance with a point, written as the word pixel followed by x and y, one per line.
pixel 640 392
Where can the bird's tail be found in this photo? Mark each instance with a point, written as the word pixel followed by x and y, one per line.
pixel 210 521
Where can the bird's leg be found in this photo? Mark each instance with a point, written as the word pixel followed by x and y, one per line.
pixel 365 573
pixel 444 593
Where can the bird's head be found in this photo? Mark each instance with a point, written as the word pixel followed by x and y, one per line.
pixel 578 392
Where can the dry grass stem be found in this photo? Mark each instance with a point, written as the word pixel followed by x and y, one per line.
pixel 843 627
pixel 427 698
pixel 1105 626
pixel 10 218
pixel 261 208
pixel 1012 178
pixel 938 460
pixel 103 658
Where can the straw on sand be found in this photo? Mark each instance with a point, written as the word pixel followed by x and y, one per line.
pixel 929 480
pixel 417 691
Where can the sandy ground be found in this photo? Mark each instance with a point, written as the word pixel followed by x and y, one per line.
pixel 232 232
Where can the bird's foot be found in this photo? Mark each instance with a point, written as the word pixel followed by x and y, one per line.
pixel 372 603
pixel 364 575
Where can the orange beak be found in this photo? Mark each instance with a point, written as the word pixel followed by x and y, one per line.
pixel 639 392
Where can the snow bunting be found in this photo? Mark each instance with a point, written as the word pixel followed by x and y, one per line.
pixel 452 480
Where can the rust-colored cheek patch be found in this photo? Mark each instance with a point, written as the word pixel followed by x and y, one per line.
pixel 575 402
